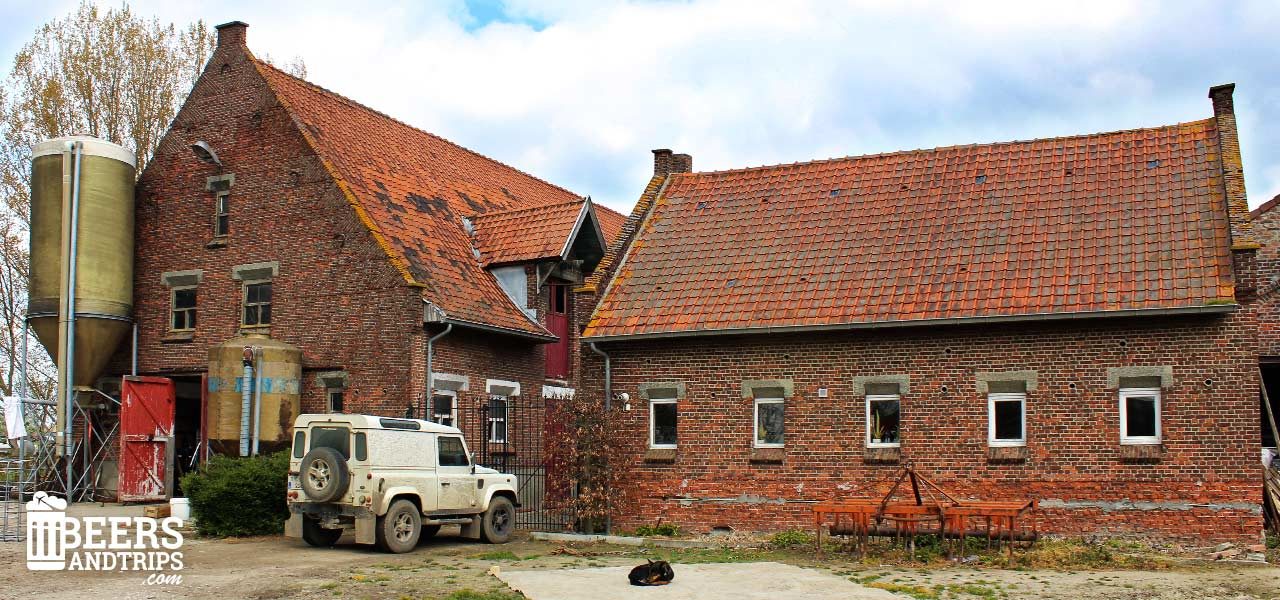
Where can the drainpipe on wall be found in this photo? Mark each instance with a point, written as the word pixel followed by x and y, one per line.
pixel 608 376
pixel 608 404
pixel 431 377
pixel 246 389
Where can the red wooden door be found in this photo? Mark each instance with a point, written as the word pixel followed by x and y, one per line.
pixel 146 438
pixel 558 324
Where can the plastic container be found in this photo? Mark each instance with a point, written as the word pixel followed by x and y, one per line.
pixel 181 508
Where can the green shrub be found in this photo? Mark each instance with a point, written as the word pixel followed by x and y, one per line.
pixel 661 529
pixel 239 496
pixel 791 538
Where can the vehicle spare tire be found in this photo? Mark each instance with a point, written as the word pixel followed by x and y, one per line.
pixel 324 475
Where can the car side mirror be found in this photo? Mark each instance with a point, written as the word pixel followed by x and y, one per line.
pixel 472 461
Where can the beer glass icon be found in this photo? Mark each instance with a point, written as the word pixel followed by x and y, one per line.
pixel 46 524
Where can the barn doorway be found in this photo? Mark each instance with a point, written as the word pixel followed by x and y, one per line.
pixel 187 426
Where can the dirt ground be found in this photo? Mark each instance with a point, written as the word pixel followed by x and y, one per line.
pixel 446 567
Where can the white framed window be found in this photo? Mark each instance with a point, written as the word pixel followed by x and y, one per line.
pixel 497 419
pixel 884 420
pixel 183 308
pixel 257 304
pixel 444 407
pixel 662 422
pixel 1139 416
pixel 335 398
pixel 769 422
pixel 222 214
pixel 1006 419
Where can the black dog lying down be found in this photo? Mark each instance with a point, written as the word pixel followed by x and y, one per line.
pixel 652 573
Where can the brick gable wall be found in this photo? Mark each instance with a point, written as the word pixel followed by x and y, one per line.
pixel 336 296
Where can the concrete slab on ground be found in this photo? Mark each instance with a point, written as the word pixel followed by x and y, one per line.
pixel 96 509
pixel 727 581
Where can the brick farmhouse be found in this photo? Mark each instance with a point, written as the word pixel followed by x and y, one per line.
pixel 373 238
pixel 1071 320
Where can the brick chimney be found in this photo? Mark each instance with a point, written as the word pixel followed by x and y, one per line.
pixel 1224 116
pixel 666 163
pixel 232 34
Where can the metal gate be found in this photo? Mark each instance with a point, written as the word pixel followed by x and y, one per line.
pixel 516 435
pixel 146 439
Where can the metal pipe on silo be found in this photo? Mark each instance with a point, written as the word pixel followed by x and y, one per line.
pixel 133 368
pixel 69 342
pixel 246 385
pixel 259 369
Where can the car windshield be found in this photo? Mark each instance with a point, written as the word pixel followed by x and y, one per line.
pixel 338 438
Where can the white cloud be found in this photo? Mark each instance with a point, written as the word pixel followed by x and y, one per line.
pixel 582 100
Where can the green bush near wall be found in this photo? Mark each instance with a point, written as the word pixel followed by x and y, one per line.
pixel 239 496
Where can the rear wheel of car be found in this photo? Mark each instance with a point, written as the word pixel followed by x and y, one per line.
pixel 499 522
pixel 315 535
pixel 324 475
pixel 399 529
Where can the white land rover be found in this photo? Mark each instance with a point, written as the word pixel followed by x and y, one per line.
pixel 393 481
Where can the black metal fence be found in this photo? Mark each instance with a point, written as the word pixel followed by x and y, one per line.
pixel 516 435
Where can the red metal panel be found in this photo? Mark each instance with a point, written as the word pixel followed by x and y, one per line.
pixel 146 432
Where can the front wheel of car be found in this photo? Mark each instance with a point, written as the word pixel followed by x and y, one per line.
pixel 399 529
pixel 315 535
pixel 499 522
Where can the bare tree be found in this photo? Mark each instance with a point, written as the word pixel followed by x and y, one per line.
pixel 106 73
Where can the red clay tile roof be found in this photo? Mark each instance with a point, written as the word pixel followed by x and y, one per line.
pixel 1118 221
pixel 528 234
pixel 411 188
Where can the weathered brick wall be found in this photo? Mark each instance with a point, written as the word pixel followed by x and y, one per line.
pixel 1205 486
pixel 336 296
pixel 1266 229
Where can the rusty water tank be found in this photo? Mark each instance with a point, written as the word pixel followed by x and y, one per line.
pixel 281 381
pixel 104 254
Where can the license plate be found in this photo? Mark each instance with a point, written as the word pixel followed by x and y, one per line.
pixel 293 484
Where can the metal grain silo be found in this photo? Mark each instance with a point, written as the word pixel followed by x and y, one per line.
pixel 103 291
pixel 273 393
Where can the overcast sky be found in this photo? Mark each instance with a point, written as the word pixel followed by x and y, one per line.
pixel 578 92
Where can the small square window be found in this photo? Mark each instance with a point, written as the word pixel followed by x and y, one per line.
pixel 662 423
pixel 183 307
pixel 1006 419
pixel 336 397
pixel 257 304
pixel 1140 416
pixel 883 420
pixel 769 422
pixel 444 408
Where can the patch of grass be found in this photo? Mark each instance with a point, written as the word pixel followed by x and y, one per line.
pixel 469 594
pixel 498 555
pixel 659 530
pixel 791 538
pixel 973 589
pixel 918 592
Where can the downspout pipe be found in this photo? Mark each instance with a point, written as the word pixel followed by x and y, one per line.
pixel 246 391
pixel 257 398
pixel 70 389
pixel 431 375
pixel 608 376
pixel 608 405
pixel 133 369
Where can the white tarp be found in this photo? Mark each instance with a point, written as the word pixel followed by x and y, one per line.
pixel 14 424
